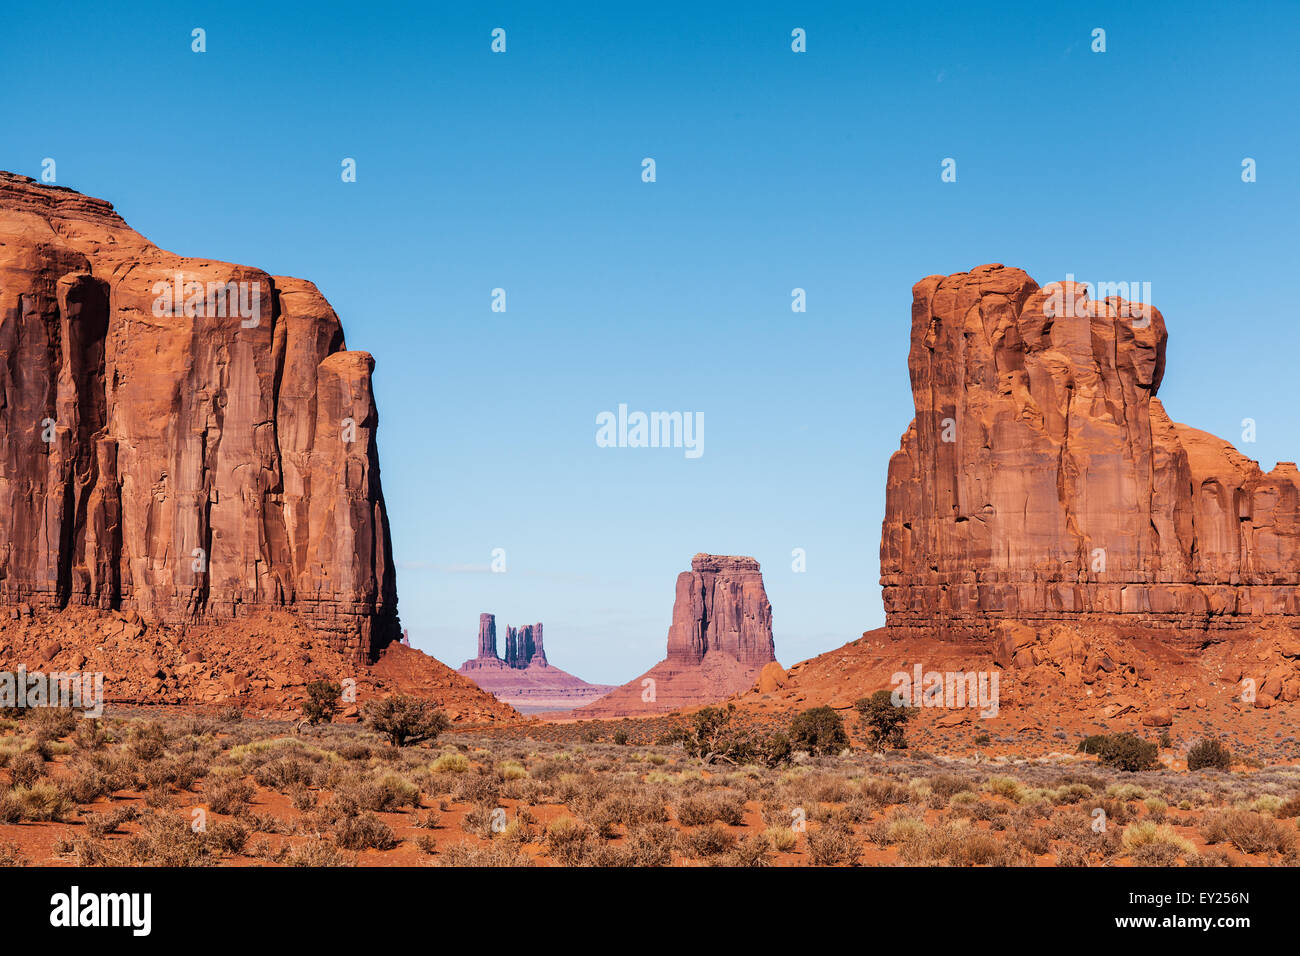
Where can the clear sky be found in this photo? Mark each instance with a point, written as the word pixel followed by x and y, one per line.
pixel 774 170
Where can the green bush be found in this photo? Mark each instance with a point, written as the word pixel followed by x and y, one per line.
pixel 819 730
pixel 883 720
pixel 404 719
pixel 322 701
pixel 1122 751
pixel 1209 752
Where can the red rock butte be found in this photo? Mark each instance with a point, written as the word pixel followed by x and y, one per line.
pixel 1041 478
pixel 719 640
pixel 192 461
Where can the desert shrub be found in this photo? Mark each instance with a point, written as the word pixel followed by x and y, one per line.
pixel 89 734
pixel 317 851
pixel 620 737
pixel 1005 787
pixel 26 769
pixel 164 839
pixel 1122 751
pixel 832 844
pixel 395 791
pixel 301 798
pixel 11 810
pixel 102 824
pixel 818 730
pixel 476 788
pixel 227 791
pixel 404 719
pixel 946 785
pixel 976 848
pixel 86 781
pixel 1209 753
pixel 51 723
pixel 364 831
pixel 1071 854
pixel 883 792
pixel 707 808
pixel 450 763
pixel 1158 854
pixel 1070 793
pixel 281 773
pixel 1290 808
pixel 782 838
pixel 495 854
pixel 512 770
pixel 882 721
pixel 425 843
pixel 1214 856
pixel 228 836
pixel 1146 834
pixel 753 850
pixel 649 845
pixel 709 840
pixel 1248 831
pixel 42 801
pixel 1124 792
pixel 147 741
pixel 568 841
pixel 322 701
pixel 1033 839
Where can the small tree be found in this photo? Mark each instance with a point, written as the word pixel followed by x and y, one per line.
pixel 1209 752
pixel 1122 751
pixel 716 736
pixel 819 730
pixel 404 719
pixel 883 720
pixel 322 701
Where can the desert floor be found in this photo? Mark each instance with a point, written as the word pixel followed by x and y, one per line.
pixel 209 790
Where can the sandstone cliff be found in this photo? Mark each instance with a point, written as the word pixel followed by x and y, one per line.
pixel 180 437
pixel 1042 479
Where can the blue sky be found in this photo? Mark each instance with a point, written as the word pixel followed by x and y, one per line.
pixel 775 170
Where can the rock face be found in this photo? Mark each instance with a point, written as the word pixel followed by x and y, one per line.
pixel 524 679
pixel 721 607
pixel 487 637
pixel 180 437
pixel 1042 479
pixel 719 640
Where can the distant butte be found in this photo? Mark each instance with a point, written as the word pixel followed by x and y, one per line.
pixel 719 641
pixel 524 679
